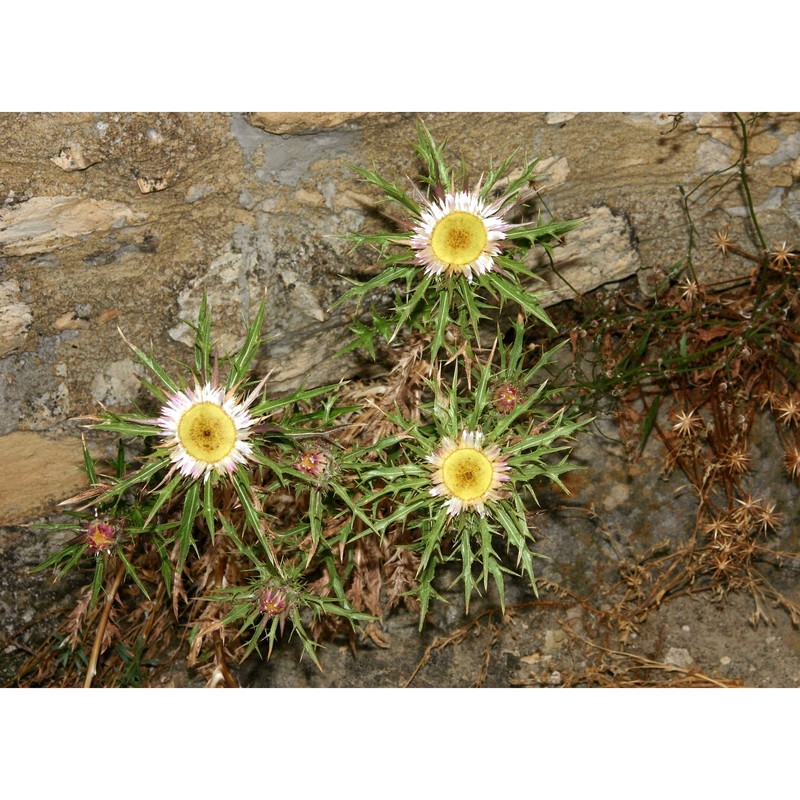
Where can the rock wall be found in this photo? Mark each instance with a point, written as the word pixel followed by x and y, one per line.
pixel 124 220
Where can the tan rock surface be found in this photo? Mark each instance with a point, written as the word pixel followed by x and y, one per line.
pixel 38 473
pixel 36 225
pixel 297 122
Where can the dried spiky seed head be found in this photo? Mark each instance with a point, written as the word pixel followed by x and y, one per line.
pixel 736 460
pixel 767 518
pixel 722 241
pixel 747 511
pixel 719 528
pixel 692 291
pixel 687 423
pixel 791 460
pixel 781 256
pixel 788 410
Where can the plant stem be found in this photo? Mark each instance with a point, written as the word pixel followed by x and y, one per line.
pixel 101 628
pixel 222 665
pixel 745 185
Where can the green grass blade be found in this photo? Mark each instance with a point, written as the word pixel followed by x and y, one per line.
pixel 191 504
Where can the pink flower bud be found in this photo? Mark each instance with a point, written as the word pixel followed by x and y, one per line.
pixel 100 536
pixel 273 602
pixel 506 398
pixel 312 462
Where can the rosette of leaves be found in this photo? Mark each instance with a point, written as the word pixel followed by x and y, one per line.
pixel 458 250
pixel 462 481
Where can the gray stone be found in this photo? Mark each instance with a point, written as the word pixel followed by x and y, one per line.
pixel 678 657
pixel 600 251
pixel 15 317
pixel 117 386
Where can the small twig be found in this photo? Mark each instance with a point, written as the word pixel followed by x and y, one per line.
pixel 222 665
pixel 745 184
pixel 152 617
pixel 101 628
pixel 443 641
pixel 648 663
pixel 487 655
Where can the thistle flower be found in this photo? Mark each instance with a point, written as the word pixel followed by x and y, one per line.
pixel 467 473
pixel 459 235
pixel 273 601
pixel 207 430
pixel 432 474
pixel 506 397
pixel 313 463
pixel 473 256
pixel 101 535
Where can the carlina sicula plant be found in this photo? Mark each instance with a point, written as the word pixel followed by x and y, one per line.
pixel 250 515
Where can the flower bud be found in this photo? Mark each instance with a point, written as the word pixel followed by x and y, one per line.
pixel 506 398
pixel 273 601
pixel 100 536
pixel 313 463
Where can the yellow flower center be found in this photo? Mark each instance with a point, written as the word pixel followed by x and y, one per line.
pixel 207 433
pixel 467 473
pixel 458 238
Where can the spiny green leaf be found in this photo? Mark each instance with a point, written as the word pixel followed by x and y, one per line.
pixel 141 475
pixel 425 591
pixel 153 366
pixel 126 426
pixel 391 190
pixel 190 505
pixel 245 356
pixel 161 497
pixel 208 506
pixel 132 572
pixel 510 291
pixel 97 581
pixel 466 565
pixel 408 308
pixel 442 319
pixel 88 465
pixel 202 340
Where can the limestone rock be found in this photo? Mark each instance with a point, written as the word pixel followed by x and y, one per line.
pixel 679 657
pixel 118 385
pixel 222 285
pixel 35 386
pixel 72 158
pixel 559 117
pixel 38 225
pixel 15 317
pixel 37 474
pixel 300 123
pixel 600 251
